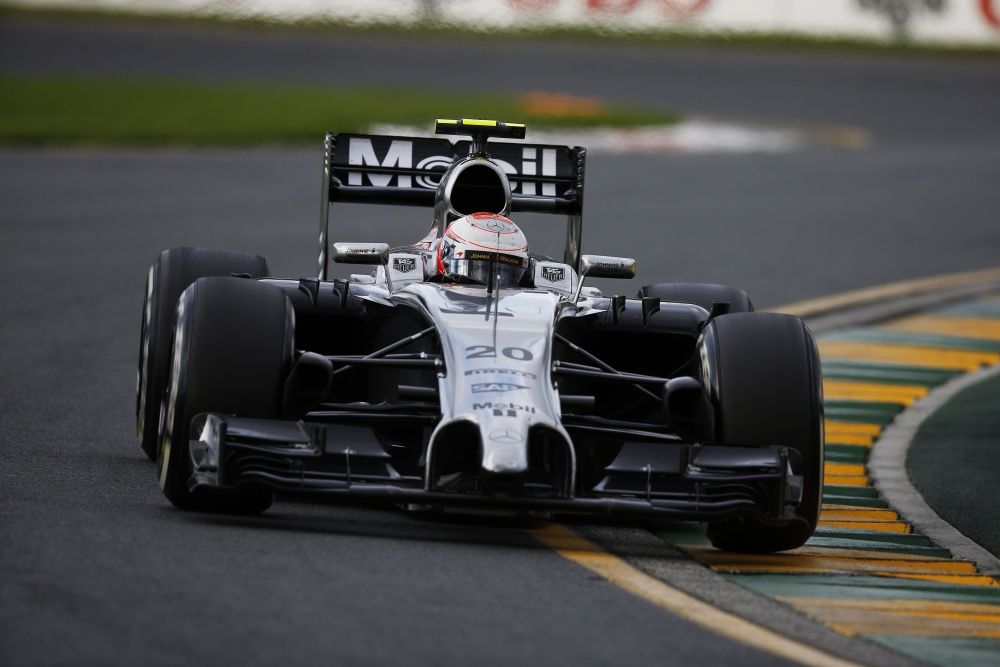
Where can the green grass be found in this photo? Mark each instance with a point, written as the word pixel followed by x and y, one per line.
pixel 64 110
pixel 649 37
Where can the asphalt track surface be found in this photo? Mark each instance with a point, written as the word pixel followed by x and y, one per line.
pixel 99 570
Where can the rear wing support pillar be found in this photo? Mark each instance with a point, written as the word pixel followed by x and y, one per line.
pixel 574 221
pixel 324 209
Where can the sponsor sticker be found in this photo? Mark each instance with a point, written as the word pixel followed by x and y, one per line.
pixel 404 264
pixel 423 161
pixel 554 274
pixel 501 371
pixel 504 409
pixel 495 387
pixel 486 256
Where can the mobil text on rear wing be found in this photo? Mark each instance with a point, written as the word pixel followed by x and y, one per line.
pixel 382 169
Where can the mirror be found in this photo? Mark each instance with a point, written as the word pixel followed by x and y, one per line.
pixel 603 266
pixel 361 253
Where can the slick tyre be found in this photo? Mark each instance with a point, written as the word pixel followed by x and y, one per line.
pixel 763 373
pixel 170 275
pixel 700 294
pixel 232 350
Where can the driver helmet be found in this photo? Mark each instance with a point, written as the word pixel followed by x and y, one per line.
pixel 481 244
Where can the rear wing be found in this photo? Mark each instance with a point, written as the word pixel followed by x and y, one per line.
pixel 380 169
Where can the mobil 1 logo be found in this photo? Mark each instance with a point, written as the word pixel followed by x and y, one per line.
pixel 505 409
pixel 419 163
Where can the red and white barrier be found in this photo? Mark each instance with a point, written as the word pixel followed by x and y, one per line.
pixel 920 21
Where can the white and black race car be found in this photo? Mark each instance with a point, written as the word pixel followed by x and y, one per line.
pixel 404 385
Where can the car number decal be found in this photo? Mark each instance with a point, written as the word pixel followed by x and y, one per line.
pixel 488 351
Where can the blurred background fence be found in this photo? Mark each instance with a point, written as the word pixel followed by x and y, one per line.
pixel 972 22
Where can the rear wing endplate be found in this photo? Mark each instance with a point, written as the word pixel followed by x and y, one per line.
pixel 380 169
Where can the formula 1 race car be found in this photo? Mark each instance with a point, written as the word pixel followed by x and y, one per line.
pixel 463 371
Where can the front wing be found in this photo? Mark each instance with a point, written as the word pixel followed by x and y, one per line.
pixel 673 480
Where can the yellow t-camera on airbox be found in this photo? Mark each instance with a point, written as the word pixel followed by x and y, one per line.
pixel 483 128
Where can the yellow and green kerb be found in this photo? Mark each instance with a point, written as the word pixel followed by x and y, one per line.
pixel 866 572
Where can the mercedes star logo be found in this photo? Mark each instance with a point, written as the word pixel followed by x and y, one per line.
pixel 505 435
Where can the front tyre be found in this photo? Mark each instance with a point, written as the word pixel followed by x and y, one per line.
pixel 170 275
pixel 763 373
pixel 232 350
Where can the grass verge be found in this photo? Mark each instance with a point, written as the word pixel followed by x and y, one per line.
pixel 92 111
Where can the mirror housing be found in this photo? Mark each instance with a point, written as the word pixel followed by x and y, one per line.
pixel 603 266
pixel 370 254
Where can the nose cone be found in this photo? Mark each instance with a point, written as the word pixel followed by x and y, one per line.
pixel 493 449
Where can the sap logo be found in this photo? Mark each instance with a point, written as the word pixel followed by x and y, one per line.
pixel 404 264
pixel 554 274
pixel 495 387
pixel 501 371
pixel 399 155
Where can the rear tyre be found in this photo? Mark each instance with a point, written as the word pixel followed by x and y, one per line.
pixel 232 350
pixel 170 275
pixel 763 373
pixel 700 294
